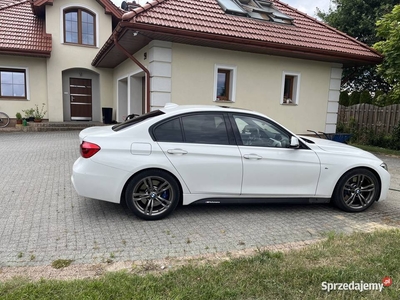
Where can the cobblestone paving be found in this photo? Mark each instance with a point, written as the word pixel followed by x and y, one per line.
pixel 42 218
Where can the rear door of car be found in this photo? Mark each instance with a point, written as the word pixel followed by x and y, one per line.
pixel 202 148
pixel 270 167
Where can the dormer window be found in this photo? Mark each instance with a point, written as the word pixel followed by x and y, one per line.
pixel 257 9
pixel 79 27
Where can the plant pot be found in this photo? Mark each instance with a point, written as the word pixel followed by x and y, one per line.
pixel 31 119
pixel 19 121
pixel 37 120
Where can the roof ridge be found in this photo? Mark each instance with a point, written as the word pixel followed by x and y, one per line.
pixel 116 6
pixel 11 4
pixel 141 9
pixel 118 12
pixel 330 27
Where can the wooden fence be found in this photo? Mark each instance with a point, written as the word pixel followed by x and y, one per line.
pixel 368 116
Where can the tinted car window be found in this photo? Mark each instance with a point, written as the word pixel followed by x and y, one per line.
pixel 169 131
pixel 136 120
pixel 205 129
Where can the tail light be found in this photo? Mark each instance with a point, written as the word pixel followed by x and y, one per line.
pixel 89 149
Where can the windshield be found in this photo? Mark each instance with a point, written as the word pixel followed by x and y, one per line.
pixel 136 120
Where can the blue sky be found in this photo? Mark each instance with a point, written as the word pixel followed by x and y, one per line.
pixel 307 6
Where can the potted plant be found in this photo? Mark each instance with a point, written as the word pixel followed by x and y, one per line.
pixel 39 114
pixel 19 118
pixel 29 114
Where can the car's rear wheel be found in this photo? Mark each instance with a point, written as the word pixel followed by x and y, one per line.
pixel 357 190
pixel 152 194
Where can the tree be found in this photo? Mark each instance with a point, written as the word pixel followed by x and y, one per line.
pixel 379 98
pixel 365 97
pixel 357 18
pixel 354 98
pixel 388 29
pixel 344 98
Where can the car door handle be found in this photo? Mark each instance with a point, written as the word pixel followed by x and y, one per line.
pixel 177 151
pixel 252 156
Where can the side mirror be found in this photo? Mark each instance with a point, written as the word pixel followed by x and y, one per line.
pixel 294 142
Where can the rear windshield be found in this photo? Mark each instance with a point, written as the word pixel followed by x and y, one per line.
pixel 136 120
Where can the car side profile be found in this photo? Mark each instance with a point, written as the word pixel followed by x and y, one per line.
pixel 212 154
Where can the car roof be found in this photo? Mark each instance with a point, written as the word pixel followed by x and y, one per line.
pixel 172 108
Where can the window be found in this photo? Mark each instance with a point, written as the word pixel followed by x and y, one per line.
pixel 13 83
pixel 225 83
pixel 169 131
pixel 205 129
pixel 257 9
pixel 290 88
pixel 79 27
pixel 259 132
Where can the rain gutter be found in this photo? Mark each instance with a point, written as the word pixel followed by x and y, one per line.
pixel 145 70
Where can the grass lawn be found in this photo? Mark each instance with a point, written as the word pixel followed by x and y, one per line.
pixel 296 274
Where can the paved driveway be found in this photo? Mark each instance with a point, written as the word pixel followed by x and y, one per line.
pixel 42 219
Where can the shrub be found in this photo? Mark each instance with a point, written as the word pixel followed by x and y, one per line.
pixel 395 143
pixel 365 97
pixel 354 98
pixel 344 98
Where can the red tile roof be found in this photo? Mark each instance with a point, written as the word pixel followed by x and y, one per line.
pixel 21 32
pixel 206 20
pixel 23 28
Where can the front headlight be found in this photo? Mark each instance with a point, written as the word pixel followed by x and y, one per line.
pixel 383 165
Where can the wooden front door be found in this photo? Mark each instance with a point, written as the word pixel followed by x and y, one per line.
pixel 80 91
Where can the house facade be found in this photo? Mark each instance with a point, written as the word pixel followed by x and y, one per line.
pixel 259 55
pixel 46 49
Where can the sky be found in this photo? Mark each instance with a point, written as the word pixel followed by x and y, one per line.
pixel 307 6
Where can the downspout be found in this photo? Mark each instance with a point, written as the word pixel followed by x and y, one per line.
pixel 123 50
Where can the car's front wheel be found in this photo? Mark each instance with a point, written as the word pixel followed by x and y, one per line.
pixel 356 190
pixel 152 194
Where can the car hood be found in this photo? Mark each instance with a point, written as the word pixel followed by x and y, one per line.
pixel 95 130
pixel 336 147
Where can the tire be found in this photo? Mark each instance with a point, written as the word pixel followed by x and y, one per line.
pixel 356 190
pixel 152 194
pixel 4 119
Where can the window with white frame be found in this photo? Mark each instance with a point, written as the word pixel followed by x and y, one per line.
pixel 224 83
pixel 290 88
pixel 12 83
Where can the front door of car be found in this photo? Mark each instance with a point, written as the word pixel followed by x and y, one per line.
pixel 203 151
pixel 270 167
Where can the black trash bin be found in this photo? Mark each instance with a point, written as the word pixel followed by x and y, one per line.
pixel 107 115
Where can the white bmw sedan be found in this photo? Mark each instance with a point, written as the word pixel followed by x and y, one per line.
pixel 212 154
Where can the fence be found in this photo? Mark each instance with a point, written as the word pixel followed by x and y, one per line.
pixel 371 117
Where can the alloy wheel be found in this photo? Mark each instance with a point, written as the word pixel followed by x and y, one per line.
pixel 358 191
pixel 152 195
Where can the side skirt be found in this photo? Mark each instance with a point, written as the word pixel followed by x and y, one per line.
pixel 260 200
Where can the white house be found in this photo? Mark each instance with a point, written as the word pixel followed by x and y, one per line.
pixel 77 57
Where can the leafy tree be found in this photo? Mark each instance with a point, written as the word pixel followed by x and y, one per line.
pixel 365 97
pixel 354 98
pixel 344 98
pixel 357 18
pixel 388 29
pixel 379 98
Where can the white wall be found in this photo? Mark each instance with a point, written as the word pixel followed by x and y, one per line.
pixel 258 86
pixel 36 84
pixel 67 56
